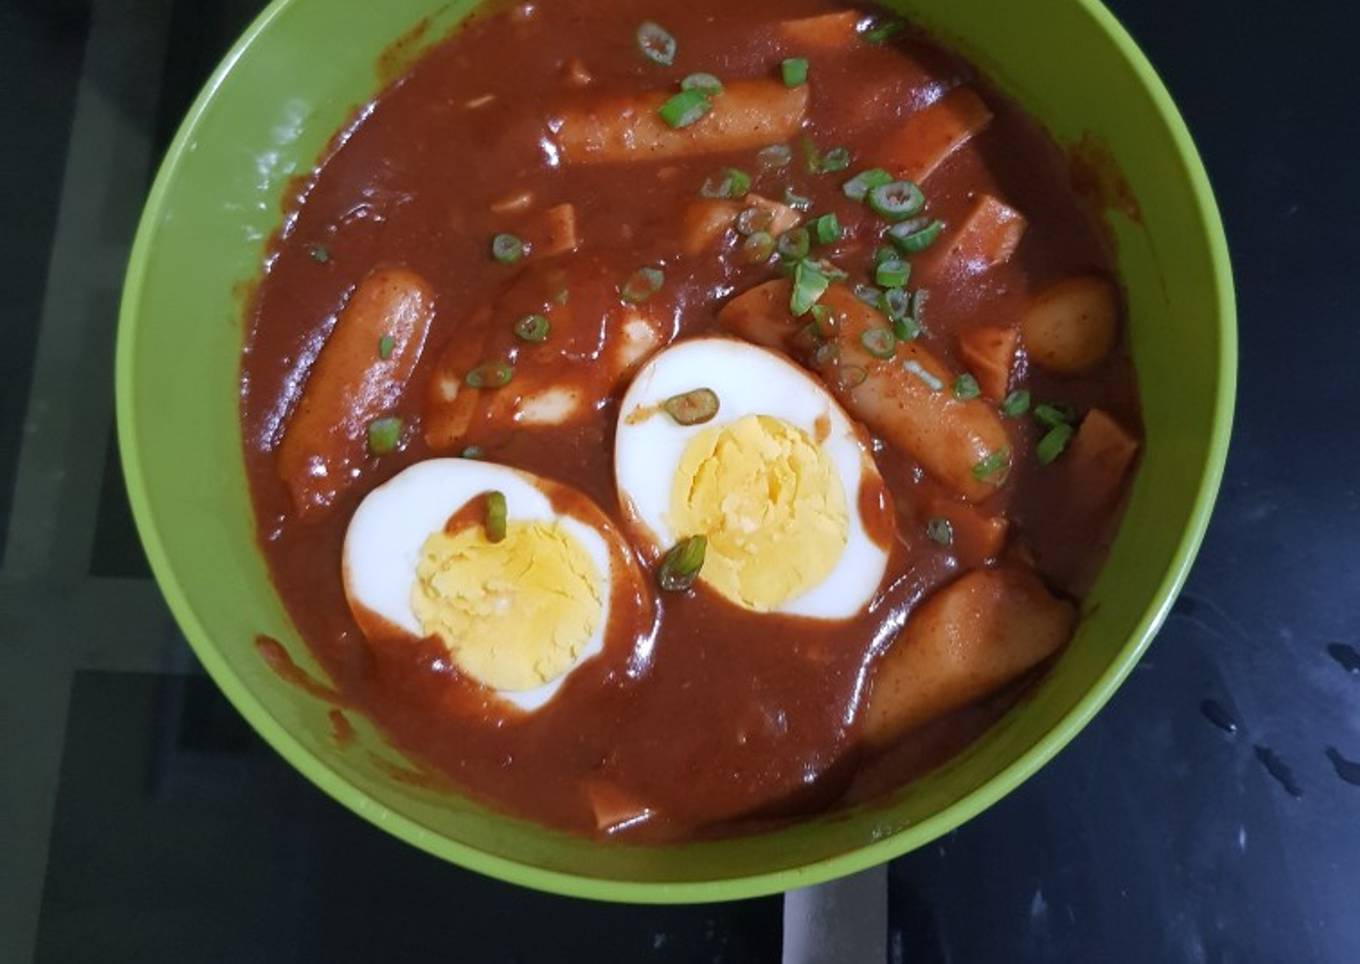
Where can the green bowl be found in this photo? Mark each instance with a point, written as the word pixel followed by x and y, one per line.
pixel 265 116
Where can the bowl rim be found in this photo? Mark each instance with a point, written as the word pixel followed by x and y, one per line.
pixel 729 888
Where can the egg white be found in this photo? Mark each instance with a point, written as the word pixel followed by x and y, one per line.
pixel 387 530
pixel 748 381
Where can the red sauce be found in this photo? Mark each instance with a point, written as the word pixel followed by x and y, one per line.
pixel 720 720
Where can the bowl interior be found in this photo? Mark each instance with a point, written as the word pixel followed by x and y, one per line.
pixel 265 116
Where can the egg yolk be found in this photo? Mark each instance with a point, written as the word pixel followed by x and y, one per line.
pixel 771 504
pixel 514 614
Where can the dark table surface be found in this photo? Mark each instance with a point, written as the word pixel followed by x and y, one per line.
pixel 1210 813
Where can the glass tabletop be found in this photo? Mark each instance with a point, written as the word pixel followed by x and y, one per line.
pixel 1208 814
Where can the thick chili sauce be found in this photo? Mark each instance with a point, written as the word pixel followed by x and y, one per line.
pixel 718 717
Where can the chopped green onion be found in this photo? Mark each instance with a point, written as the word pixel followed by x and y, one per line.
pixel 489 375
pixel 868 294
pixel 859 186
pixel 823 324
pixel 966 387
pixel 757 248
pixel 775 156
pixel 656 43
pixel 796 201
pixel 385 345
pixel 991 465
pixel 320 254
pixel 703 83
pixel 794 70
pixel 879 342
pixel 693 407
pixel 383 435
pixel 892 273
pixel 812 158
pixel 896 200
pixel 532 328
pixel 915 235
pixel 828 269
pixel 1015 404
pixel 794 244
pixel 752 220
pixel 916 368
pixel 684 108
pixel 940 531
pixel 895 303
pixel 880 30
pixel 506 248
pixel 1053 443
pixel 471 452
pixel 1051 416
pixel 836 159
pixel 496 520
pixel 849 376
pixel 826 354
pixel 884 253
pixel 731 182
pixel 918 303
pixel 906 328
pixel 680 566
pixel 809 285
pixel 826 229
pixel 642 284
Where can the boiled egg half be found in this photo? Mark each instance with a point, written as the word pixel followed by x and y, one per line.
pixel 518 606
pixel 719 438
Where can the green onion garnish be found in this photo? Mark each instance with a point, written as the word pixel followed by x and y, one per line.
pixel 884 253
pixel 849 376
pixel 918 303
pixel 320 254
pixel 880 30
pixel 794 244
pixel 896 200
pixel 822 324
pixel 693 407
pixel 704 83
pixel 836 159
pixel 826 229
pixel 859 186
pixel 915 235
pixel 796 201
pixel 680 566
pixel 892 273
pixel 794 70
pixel 868 294
pixel 879 342
pixel 495 516
pixel 383 435
pixel 940 531
pixel 471 452
pixel 775 156
pixel 828 269
pixel 684 108
pixel 906 328
pixel 656 43
pixel 827 353
pixel 642 284
pixel 730 182
pixel 988 468
pixel 532 328
pixel 915 367
pixel 1015 404
pixel 753 219
pixel 809 285
pixel 1051 416
pixel 757 247
pixel 895 303
pixel 385 345
pixel 506 248
pixel 1053 443
pixel 489 375
pixel 966 387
